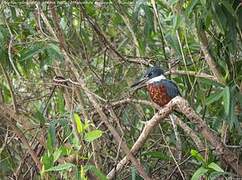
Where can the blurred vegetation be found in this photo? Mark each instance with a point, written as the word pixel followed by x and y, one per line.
pixel 110 44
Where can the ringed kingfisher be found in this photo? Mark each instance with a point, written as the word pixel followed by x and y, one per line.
pixel 161 90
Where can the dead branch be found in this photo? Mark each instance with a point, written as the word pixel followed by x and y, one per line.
pixel 183 106
pixel 193 73
pixel 190 133
pixel 149 126
pixel 178 121
pixel 208 56
pixel 104 40
pixel 115 134
pixel 11 118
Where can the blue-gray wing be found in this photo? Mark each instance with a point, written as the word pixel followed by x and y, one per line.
pixel 171 88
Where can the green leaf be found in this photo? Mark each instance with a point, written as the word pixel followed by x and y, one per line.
pixel 203 2
pixel 191 6
pixel 51 138
pixel 1 38
pixel 60 103
pixel 215 167
pixel 47 160
pixel 79 124
pixel 57 154
pixel 38 115
pixel 92 135
pixel 234 101
pixel 65 151
pixel 197 155
pixel 208 20
pixel 214 97
pixel 229 7
pixel 61 167
pixel 96 171
pixel 176 22
pixel 54 48
pixel 215 175
pixel 86 124
pixel 157 155
pixel 133 173
pixel 149 25
pixel 91 10
pixel 226 99
pixel 210 82
pixel 199 172
pixel 29 52
pixel 82 173
pixel 54 52
pixel 216 13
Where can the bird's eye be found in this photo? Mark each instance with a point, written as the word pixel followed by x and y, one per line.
pixel 150 74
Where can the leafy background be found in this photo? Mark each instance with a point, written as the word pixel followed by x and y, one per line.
pixel 110 44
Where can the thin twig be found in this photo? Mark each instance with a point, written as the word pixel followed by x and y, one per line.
pixel 8 120
pixel 193 73
pixel 163 42
pixel 177 135
pixel 184 161
pixel 183 55
pixel 10 88
pixel 174 159
pixel 9 49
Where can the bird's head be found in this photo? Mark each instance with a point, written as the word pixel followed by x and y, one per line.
pixel 153 74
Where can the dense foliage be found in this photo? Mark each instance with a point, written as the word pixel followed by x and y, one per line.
pixel 66 70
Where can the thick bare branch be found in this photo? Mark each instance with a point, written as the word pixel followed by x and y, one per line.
pixel 190 133
pixel 183 106
pixel 178 121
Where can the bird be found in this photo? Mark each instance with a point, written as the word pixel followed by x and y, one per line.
pixel 161 90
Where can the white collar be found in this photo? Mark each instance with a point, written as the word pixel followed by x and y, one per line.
pixel 156 79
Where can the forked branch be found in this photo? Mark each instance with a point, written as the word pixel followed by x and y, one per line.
pixel 182 106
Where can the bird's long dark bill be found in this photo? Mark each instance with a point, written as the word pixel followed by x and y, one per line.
pixel 139 84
